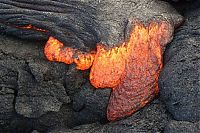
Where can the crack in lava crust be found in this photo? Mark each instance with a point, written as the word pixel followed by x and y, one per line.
pixel 131 70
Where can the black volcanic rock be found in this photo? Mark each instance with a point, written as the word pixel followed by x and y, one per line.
pixel 6 107
pixel 38 94
pixel 182 127
pixel 82 23
pixel 180 79
pixel 36 100
pixel 152 118
pixel 28 88
pixel 90 104
pixel 35 96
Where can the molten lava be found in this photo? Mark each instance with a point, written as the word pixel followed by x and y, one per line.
pixel 139 82
pixel 131 69
pixel 31 28
pixel 55 51
pixel 108 66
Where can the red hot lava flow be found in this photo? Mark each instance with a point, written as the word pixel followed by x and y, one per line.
pixel 131 69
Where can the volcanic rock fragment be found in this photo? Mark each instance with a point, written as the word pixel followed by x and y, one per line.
pixel 22 64
pixel 90 104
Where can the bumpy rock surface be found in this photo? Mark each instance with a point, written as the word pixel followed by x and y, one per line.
pixel 38 94
pixel 152 118
pixel 6 105
pixel 180 78
pixel 81 23
pixel 182 127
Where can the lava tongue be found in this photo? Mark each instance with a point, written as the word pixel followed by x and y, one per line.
pixel 135 72
pixel 131 69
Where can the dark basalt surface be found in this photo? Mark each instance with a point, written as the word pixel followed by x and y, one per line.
pixel 152 118
pixel 180 78
pixel 82 23
pixel 182 127
pixel 38 94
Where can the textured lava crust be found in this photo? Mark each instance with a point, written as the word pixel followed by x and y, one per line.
pixel 137 77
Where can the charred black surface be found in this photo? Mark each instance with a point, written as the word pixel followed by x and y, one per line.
pixel 81 23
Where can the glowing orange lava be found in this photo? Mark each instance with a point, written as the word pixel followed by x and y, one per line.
pixel 131 70
pixel 31 28
pixel 139 82
pixel 108 66
pixel 55 51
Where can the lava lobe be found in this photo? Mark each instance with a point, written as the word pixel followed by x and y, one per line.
pixel 139 80
pixel 55 51
pixel 131 69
